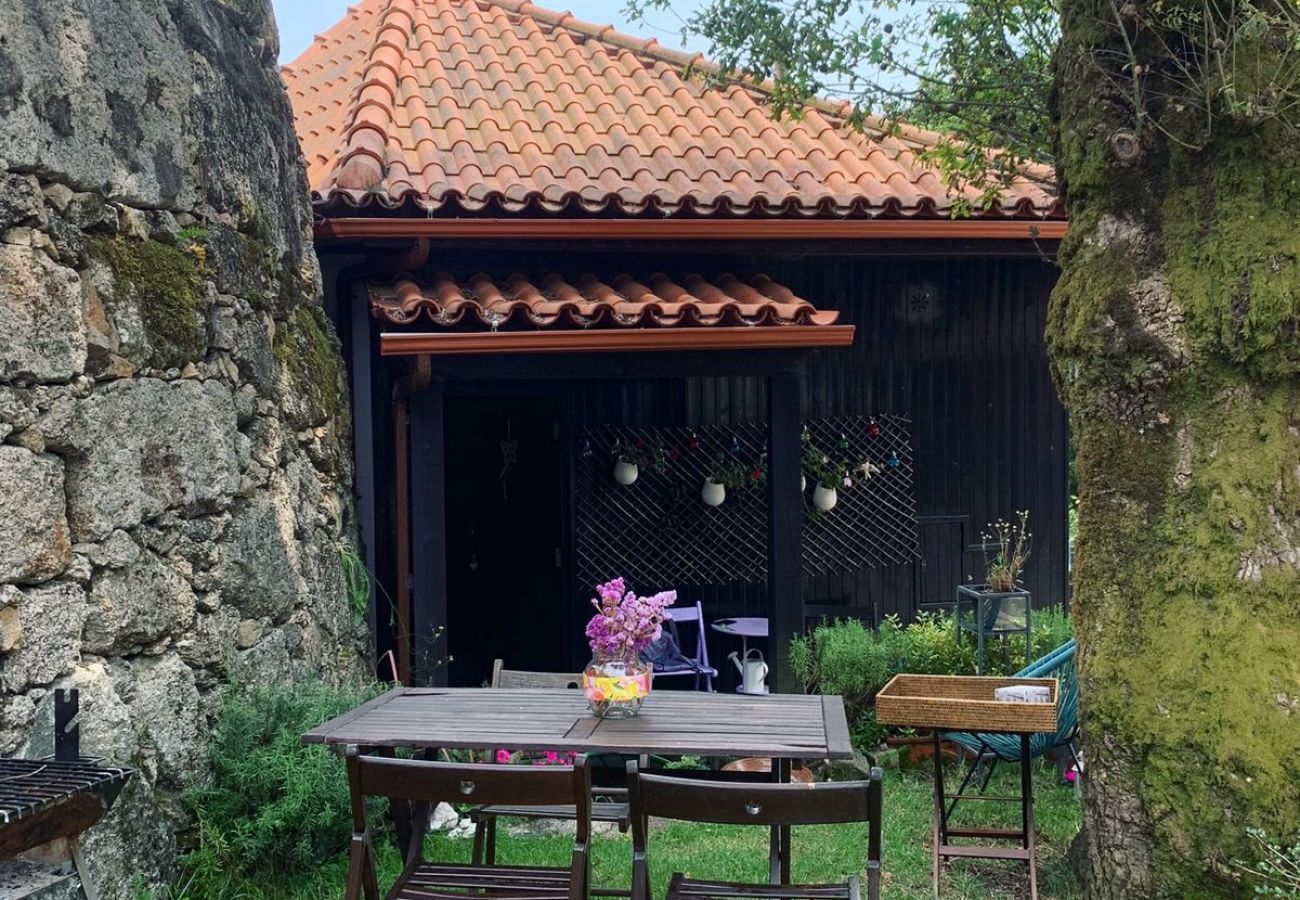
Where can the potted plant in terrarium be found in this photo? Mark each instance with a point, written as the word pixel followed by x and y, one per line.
pixel 1000 603
pixel 617 680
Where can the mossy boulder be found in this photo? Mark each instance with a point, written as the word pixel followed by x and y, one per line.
pixel 162 284
pixel 307 349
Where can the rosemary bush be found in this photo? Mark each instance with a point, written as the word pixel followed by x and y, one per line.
pixel 273 804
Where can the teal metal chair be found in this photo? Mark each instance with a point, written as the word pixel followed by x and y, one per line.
pixel 990 748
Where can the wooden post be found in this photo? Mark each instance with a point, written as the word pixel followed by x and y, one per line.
pixel 428 538
pixel 785 527
pixel 361 347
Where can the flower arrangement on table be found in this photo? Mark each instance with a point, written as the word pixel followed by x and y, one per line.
pixel 617 680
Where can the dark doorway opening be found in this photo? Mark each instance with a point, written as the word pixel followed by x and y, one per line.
pixel 505 501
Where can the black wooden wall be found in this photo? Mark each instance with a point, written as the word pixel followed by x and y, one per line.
pixel 954 342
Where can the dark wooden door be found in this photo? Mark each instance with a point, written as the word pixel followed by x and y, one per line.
pixel 504 503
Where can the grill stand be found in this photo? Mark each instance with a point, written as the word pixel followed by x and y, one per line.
pixel 47 804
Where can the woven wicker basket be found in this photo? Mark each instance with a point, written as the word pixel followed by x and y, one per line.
pixel 960 703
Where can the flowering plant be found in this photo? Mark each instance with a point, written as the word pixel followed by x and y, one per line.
pixel 625 623
pixel 549 758
pixel 1006 552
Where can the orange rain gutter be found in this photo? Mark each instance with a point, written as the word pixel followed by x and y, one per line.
pixel 692 229
pixel 713 338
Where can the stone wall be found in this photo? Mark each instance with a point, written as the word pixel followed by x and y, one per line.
pixel 174 466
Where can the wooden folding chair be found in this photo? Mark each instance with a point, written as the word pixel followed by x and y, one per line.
pixel 411 781
pixel 771 805
pixel 608 804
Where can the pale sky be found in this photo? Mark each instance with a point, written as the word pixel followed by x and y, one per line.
pixel 301 20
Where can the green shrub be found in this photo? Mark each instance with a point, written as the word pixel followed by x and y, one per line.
pixel 1277 871
pixel 273 804
pixel 845 657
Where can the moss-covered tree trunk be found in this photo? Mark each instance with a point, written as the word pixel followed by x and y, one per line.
pixel 1173 335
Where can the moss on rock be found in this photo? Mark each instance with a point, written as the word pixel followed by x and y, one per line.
pixel 163 283
pixel 306 347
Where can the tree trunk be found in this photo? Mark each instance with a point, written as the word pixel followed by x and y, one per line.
pixel 1173 336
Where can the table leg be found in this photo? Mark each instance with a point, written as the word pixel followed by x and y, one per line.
pixel 779 853
pixel 1027 813
pixel 940 829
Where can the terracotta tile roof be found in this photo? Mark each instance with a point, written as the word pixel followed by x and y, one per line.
pixel 590 302
pixel 446 107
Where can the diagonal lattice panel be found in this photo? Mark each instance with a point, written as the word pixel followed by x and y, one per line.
pixel 659 531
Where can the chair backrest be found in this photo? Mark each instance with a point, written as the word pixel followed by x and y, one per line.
pixel 691 613
pixel 1052 663
pixel 729 803
pixel 517 678
pixel 1058 664
pixel 420 781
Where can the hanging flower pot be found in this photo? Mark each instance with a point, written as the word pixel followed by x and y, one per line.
pixel 713 493
pixel 825 498
pixel 803 483
pixel 626 473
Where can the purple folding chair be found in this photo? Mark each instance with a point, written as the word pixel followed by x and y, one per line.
pixel 671 661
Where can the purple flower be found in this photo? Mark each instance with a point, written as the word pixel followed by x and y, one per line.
pixel 625 623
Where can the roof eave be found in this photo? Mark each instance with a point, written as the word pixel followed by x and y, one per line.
pixel 771 337
pixel 351 228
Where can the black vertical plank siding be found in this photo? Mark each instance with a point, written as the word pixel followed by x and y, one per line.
pixel 428 536
pixel 988 431
pixel 989 434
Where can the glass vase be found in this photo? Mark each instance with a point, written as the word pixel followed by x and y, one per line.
pixel 616 686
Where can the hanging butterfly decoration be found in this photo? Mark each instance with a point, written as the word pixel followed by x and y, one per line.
pixel 587 452
pixel 873 429
pixel 894 461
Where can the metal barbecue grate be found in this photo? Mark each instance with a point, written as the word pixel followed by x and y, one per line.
pixel 30 786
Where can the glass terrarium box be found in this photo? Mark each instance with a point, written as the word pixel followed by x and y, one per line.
pixel 985 613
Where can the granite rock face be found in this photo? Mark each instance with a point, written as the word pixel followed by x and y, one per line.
pixel 175 483
pixel 34 542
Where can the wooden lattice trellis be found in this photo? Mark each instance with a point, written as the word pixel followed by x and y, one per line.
pixel 659 531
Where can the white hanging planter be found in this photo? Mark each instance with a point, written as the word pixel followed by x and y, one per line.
pixel 825 498
pixel 626 473
pixel 803 483
pixel 713 493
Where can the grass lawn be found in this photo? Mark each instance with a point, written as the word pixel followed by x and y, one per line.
pixel 821 854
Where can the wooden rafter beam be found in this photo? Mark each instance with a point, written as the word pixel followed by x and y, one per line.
pixel 621 340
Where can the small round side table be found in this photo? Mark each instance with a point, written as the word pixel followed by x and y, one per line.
pixel 744 627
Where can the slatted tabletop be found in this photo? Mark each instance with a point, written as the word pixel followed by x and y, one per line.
pixel 671 722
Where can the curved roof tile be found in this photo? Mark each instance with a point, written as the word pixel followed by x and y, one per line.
pixel 457 106
pixel 589 301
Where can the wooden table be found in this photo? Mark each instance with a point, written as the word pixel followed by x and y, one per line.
pixel 781 727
